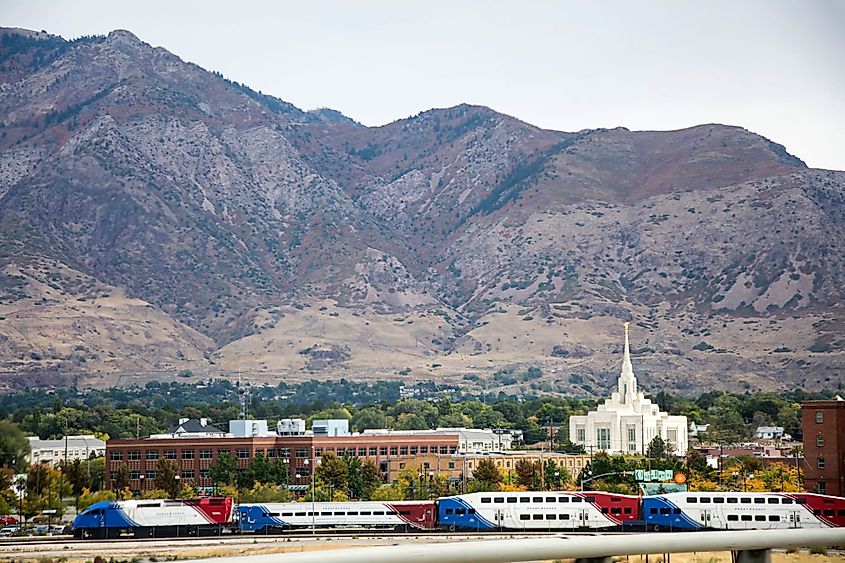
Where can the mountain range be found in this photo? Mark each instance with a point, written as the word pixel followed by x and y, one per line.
pixel 159 220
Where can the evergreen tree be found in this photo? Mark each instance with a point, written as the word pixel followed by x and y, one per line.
pixel 165 479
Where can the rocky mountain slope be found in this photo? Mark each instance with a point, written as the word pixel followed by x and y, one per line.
pixel 158 218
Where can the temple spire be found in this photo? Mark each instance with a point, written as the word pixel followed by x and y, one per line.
pixel 627 381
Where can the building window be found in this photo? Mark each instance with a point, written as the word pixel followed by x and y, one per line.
pixel 822 487
pixel 133 456
pixel 187 454
pixel 152 474
pixel 341 452
pixel 820 462
pixel 401 465
pixel 134 474
pixel 453 449
pixel 242 454
pixel 394 450
pixel 204 473
pixel 152 455
pixel 362 452
pixel 820 440
pixel 116 456
pixel 301 452
pixel 222 452
pixel 423 449
pixel 188 474
pixel 603 438
pixel 819 417
pixel 444 450
pixel 451 465
pixel 414 450
pixel 205 454
pixel 373 451
pixel 672 437
pixel 632 438
pixel 382 450
pixel 170 455
pixel 403 450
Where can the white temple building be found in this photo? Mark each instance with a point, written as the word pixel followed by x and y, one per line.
pixel 627 422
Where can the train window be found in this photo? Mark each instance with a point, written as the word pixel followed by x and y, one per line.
pixel 460 512
pixel 537 499
pixel 828 501
pixel 665 511
pixel 352 513
pixel 676 511
pixel 299 514
pixel 524 499
pixel 773 500
pixel 576 499
pixel 564 517
pixel 325 514
pixel 604 510
pixel 786 501
pixel 760 517
pixel 817 512
pixel 800 501
pixel 512 499
pixel 449 511
pixel 563 499
pixel 365 513
pixel 551 516
pixel 615 510
pixel 551 499
pixel 692 500
pixel 774 518
pixel 590 499
pixel 652 510
pixel 485 500
pixel 391 513
pixel 745 500
pixel 842 511
pixel 732 517
pixel 149 505
pixel 718 500
pixel 287 514
pixel 537 517
pixel 704 500
pixel 378 513
pixel 525 517
pixel 627 510
pixel 272 513
pixel 732 500
pixel 745 517
pixel 405 512
pixel 759 500
pixel 829 512
pixel 499 500
pixel 615 499
pixel 471 511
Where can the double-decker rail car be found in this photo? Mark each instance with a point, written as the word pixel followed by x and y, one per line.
pixel 548 510
pixel 742 511
pixel 277 517
pixel 155 518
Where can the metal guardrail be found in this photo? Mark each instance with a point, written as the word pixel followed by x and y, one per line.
pixel 561 547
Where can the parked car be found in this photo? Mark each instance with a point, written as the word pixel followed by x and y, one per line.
pixel 9 530
pixel 8 520
pixel 41 530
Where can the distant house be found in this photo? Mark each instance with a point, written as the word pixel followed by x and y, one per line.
pixel 192 428
pixel 68 448
pixel 696 429
pixel 771 433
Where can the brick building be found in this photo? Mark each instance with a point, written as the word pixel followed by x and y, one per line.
pixel 823 423
pixel 195 453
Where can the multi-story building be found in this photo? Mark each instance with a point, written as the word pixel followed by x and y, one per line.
pixel 823 423
pixel 68 448
pixel 194 452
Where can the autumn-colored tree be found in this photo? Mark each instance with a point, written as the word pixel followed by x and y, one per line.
pixel 525 472
pixel 166 479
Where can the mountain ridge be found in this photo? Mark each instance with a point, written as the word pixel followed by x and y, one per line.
pixel 127 169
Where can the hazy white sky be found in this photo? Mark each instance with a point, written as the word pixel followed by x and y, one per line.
pixel 774 67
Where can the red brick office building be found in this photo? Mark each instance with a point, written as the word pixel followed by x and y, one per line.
pixel 823 423
pixel 194 455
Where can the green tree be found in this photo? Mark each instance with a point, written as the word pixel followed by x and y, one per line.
pixel 332 472
pixel 261 469
pixel 224 470
pixel 14 446
pixel 657 448
pixel 487 476
pixel 354 476
pixel 121 478
pixel 265 492
pixel 87 498
pixel 556 476
pixel 368 418
pixel 166 472
pixel 371 478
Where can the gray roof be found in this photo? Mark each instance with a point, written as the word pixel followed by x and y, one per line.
pixel 193 425
pixel 77 442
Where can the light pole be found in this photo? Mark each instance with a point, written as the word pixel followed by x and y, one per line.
pixel 141 483
pixel 313 469
pixel 178 479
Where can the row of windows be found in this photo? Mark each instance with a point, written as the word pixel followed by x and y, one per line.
pixel 341 513
pixel 285 452
pixel 501 500
pixel 185 474
pixel 756 517
pixel 544 516
pixel 746 500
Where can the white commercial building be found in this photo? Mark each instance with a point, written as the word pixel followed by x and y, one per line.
pixel 627 422
pixel 470 440
pixel 68 448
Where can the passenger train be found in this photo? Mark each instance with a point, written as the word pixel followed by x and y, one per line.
pixel 549 510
